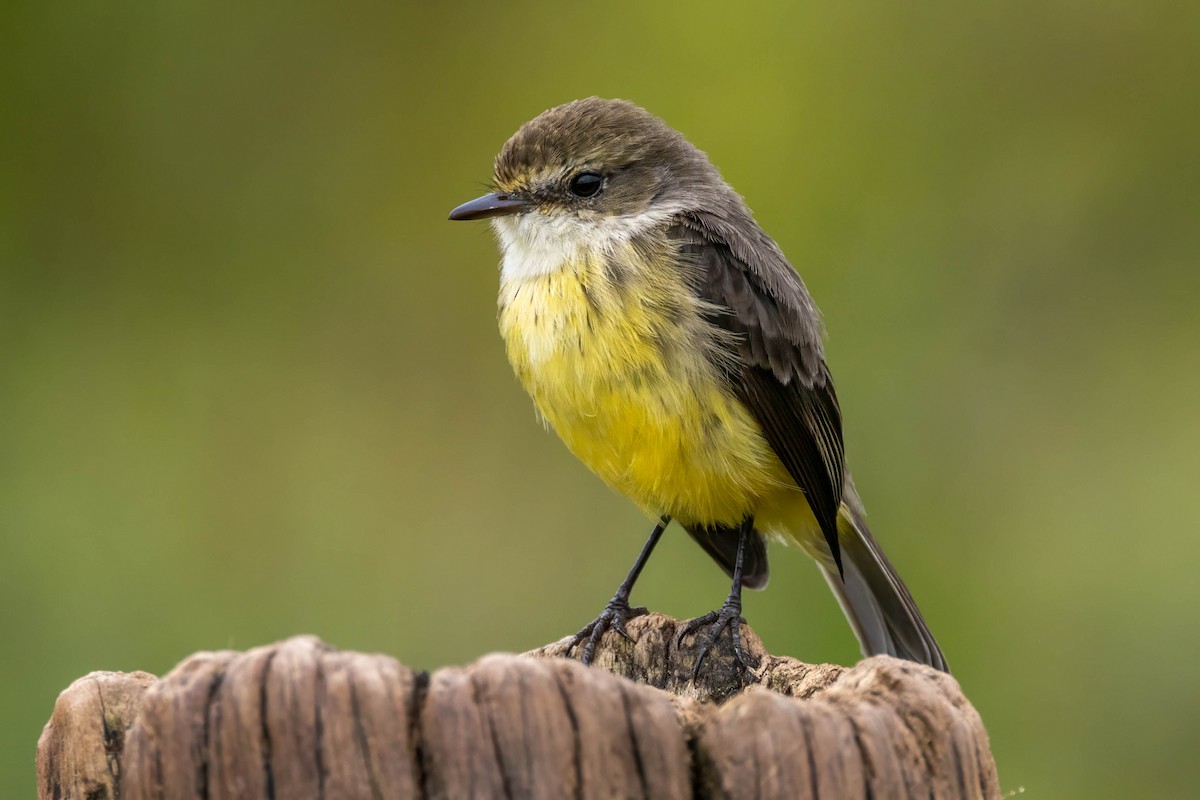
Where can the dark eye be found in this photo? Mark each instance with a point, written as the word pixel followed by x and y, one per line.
pixel 587 184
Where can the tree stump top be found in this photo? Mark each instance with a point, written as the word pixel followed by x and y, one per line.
pixel 300 719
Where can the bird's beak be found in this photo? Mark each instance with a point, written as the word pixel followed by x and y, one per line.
pixel 490 205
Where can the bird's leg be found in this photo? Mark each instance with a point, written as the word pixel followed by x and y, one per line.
pixel 618 610
pixel 728 616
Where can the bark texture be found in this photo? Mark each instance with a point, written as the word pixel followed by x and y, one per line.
pixel 299 719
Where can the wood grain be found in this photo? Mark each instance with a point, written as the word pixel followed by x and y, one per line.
pixel 300 719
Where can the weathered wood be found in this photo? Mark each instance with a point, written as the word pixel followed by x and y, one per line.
pixel 300 719
pixel 79 753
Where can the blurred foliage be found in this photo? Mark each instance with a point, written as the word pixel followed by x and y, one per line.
pixel 251 384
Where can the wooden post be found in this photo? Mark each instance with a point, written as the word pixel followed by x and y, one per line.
pixel 299 719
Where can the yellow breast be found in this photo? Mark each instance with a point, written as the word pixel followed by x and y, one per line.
pixel 616 361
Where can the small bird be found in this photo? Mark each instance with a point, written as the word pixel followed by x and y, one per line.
pixel 667 340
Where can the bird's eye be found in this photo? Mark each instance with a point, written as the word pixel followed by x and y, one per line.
pixel 587 184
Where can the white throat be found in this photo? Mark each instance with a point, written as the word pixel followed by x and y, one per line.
pixel 536 244
pixel 532 245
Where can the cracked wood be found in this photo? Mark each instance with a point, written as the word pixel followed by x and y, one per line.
pixel 300 719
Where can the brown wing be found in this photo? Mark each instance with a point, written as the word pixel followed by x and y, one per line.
pixel 780 371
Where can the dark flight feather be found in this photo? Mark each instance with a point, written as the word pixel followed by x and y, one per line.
pixel 883 614
pixel 780 371
pixel 721 543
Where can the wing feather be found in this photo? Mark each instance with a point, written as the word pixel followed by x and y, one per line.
pixel 779 371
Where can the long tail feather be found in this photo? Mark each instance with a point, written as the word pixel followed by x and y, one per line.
pixel 878 605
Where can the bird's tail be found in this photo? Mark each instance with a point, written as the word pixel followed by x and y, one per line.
pixel 882 613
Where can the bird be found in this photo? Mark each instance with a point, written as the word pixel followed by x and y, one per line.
pixel 667 340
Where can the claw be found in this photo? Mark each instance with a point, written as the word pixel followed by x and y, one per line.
pixel 693 625
pixel 619 626
pixel 729 616
pixel 614 616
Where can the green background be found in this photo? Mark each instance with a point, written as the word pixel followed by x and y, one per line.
pixel 251 385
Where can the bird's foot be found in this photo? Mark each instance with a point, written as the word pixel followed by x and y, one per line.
pixel 614 616
pixel 728 616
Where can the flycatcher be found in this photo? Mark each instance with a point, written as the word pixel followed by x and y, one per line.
pixel 670 344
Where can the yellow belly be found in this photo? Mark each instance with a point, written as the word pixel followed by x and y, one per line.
pixel 620 373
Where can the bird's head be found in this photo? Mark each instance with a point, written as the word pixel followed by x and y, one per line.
pixel 591 172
